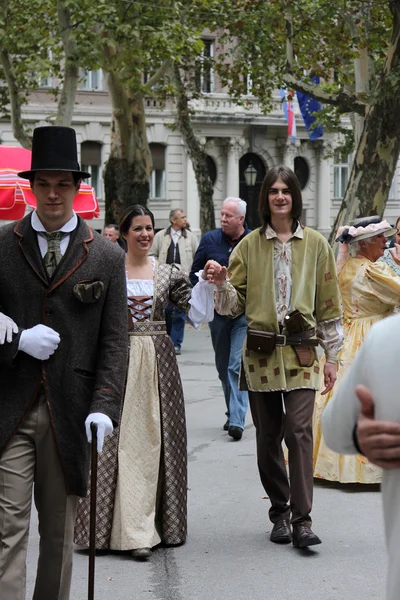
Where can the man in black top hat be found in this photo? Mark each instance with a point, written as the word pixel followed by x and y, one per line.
pixel 64 286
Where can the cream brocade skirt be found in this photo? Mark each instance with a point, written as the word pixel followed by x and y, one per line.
pixel 139 453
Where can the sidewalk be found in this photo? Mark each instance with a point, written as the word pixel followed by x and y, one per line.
pixel 228 555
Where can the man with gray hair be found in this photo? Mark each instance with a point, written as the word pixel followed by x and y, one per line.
pixel 227 334
pixel 176 244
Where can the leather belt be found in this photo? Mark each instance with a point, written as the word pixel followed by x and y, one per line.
pixel 299 339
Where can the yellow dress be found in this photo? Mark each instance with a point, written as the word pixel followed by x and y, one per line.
pixel 369 291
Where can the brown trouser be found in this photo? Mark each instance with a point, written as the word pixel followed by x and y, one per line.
pixel 295 427
pixel 31 459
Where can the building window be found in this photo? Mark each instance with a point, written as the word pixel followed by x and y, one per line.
pixel 91 80
pixel 205 71
pixel 157 178
pixel 212 169
pixel 341 170
pixel 302 171
pixel 91 163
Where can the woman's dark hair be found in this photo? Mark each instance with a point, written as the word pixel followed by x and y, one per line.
pixel 287 175
pixel 136 210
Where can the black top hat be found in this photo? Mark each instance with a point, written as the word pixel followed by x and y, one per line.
pixel 54 149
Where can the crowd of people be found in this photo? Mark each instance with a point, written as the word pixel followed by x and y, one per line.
pixel 90 327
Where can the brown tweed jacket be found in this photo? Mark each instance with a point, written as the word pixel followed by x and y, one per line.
pixel 85 302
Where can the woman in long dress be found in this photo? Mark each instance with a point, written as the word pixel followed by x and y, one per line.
pixel 370 291
pixel 142 472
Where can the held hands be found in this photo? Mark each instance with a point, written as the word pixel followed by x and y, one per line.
pixel 104 428
pixel 213 272
pixel 379 441
pixel 39 341
pixel 329 377
pixel 7 328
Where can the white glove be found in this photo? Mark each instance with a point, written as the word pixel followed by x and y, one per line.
pixel 39 341
pixel 104 428
pixel 7 328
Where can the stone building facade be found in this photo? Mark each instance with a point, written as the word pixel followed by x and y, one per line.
pixel 233 137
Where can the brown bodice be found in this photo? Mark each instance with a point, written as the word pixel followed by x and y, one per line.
pixel 141 304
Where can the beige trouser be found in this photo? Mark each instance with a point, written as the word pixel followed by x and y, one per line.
pixel 31 458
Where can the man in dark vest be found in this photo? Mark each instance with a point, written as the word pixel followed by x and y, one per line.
pixel 176 244
pixel 64 286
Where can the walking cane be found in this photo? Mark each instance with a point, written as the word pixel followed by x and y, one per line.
pixel 93 494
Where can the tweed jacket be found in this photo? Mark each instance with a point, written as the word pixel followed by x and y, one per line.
pixel 251 289
pixel 187 245
pixel 85 302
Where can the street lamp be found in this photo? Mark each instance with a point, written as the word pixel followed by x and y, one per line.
pixel 250 175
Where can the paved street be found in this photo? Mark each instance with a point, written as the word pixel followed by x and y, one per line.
pixel 228 554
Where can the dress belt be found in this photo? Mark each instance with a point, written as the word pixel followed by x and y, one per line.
pixel 148 328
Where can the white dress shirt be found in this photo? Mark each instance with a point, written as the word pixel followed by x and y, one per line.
pixel 42 241
pixel 175 235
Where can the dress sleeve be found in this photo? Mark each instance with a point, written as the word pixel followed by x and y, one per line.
pixel 180 289
pixel 383 283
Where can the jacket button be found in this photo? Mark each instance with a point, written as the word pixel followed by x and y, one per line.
pixel 49 311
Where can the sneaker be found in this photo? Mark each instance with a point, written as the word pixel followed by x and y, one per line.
pixel 177 350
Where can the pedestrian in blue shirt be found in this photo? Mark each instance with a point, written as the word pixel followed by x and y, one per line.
pixel 227 334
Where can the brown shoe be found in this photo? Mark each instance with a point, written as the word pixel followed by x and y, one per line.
pixel 281 533
pixel 303 536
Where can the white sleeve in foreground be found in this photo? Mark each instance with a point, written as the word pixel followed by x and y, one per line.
pixel 202 302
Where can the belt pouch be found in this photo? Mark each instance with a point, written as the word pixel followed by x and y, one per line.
pixel 305 355
pixel 263 342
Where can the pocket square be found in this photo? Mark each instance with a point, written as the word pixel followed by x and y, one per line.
pixel 88 291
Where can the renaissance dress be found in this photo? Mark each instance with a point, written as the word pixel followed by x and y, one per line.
pixel 370 291
pixel 142 471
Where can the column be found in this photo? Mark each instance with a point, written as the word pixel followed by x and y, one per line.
pixel 290 152
pixel 234 151
pixel 324 187
pixel 192 198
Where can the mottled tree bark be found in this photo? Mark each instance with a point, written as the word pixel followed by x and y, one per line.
pixel 379 146
pixel 127 171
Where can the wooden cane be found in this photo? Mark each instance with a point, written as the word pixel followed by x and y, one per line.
pixel 93 494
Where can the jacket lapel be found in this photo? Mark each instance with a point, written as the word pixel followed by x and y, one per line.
pixel 75 255
pixel 30 248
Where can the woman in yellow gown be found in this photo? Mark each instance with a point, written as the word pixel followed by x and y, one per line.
pixel 370 291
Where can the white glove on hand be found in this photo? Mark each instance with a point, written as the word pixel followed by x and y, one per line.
pixel 104 428
pixel 7 328
pixel 39 341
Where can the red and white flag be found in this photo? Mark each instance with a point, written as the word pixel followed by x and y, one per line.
pixel 288 109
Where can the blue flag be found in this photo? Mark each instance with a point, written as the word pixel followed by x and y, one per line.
pixel 308 106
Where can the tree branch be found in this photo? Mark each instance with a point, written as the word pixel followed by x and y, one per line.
pixel 343 101
pixel 15 101
pixel 166 66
